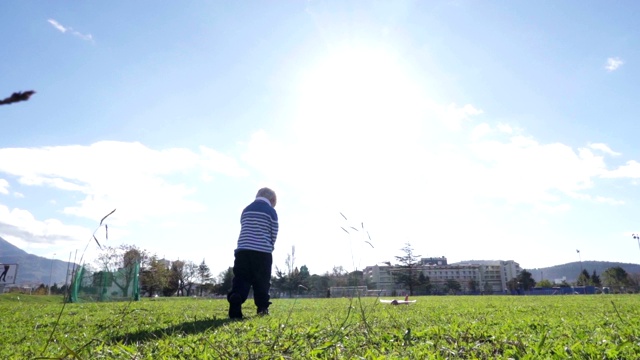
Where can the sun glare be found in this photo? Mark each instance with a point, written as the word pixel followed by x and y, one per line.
pixel 359 116
pixel 354 91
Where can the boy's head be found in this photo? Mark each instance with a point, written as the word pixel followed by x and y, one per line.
pixel 268 194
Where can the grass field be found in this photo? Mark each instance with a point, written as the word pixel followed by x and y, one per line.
pixel 451 327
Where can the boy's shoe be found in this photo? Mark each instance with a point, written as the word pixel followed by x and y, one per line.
pixel 263 312
pixel 235 306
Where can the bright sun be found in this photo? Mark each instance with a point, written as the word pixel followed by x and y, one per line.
pixel 351 91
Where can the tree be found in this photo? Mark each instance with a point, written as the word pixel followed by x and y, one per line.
pixel 595 279
pixel 304 272
pixel 121 261
pixel 337 276
pixel 424 282
pixel 290 261
pixel 544 284
pixel 280 280
pixel 473 285
pixel 318 283
pixel 304 276
pixel 183 276
pixel 288 282
pixel 355 278
pixel 452 286
pixel 155 276
pixel 290 279
pixel 172 286
pixel 634 280
pixel 408 268
pixel 488 289
pixel 583 279
pixel 525 280
pixel 204 275
pixel 225 280
pixel 512 284
pixel 41 290
pixel 615 277
pixel 189 276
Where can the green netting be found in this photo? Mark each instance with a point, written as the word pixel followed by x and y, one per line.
pixel 120 285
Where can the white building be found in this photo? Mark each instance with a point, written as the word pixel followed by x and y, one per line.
pixel 489 276
pixel 165 262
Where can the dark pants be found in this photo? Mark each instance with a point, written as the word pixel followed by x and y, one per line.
pixel 252 268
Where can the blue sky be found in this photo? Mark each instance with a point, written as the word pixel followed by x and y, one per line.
pixel 473 130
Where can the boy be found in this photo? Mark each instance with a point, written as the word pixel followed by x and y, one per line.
pixel 252 264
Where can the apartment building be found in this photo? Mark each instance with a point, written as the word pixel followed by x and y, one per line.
pixel 489 276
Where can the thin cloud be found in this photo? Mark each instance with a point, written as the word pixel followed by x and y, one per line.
pixel 608 200
pixel 630 170
pixel 604 148
pixel 87 37
pixel 613 63
pixel 596 199
pixel 4 186
pixel 57 25
pixel 63 29
pixel 94 174
pixel 21 224
pixel 453 116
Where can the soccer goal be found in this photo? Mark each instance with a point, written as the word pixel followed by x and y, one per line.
pixel 348 291
pixel 92 286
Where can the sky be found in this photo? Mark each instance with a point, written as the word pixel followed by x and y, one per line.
pixel 474 130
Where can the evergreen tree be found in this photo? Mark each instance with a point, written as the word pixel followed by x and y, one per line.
pixel 424 282
pixel 584 278
pixel 204 275
pixel 408 269
pixel 525 280
pixel 473 285
pixel 512 284
pixel 452 286
pixel 595 279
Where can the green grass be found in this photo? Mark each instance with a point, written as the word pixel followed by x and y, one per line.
pixel 482 327
pixel 39 299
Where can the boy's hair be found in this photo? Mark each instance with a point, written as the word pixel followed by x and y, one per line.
pixel 267 193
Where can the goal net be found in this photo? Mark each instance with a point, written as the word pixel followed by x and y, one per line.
pixel 120 285
pixel 348 291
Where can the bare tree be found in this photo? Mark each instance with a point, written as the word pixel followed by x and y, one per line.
pixel 183 276
pixel 189 276
pixel 122 261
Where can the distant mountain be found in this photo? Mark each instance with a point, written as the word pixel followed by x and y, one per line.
pixel 33 269
pixel 572 270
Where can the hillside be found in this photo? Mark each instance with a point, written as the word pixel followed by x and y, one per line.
pixel 32 269
pixel 572 270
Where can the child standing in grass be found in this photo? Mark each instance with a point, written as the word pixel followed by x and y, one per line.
pixel 252 264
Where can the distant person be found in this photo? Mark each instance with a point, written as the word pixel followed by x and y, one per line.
pixel 253 259
pixel 3 276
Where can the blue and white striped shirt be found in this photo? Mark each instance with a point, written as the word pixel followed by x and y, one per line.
pixel 259 227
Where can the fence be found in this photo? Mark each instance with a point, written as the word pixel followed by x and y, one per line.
pixel 120 285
